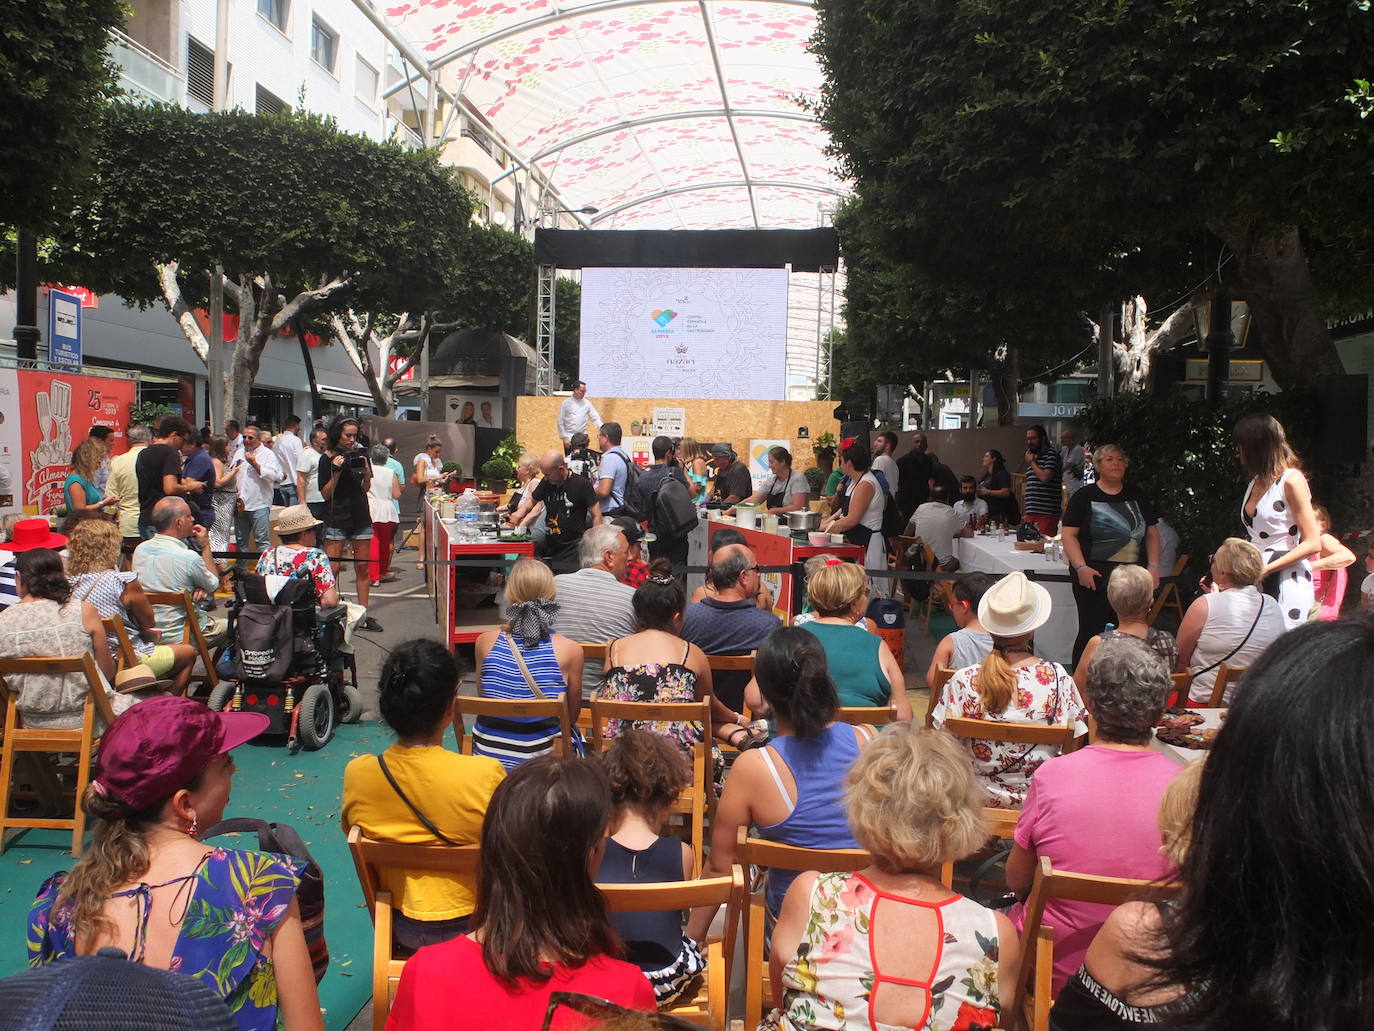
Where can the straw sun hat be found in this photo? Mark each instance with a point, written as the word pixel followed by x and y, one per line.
pixel 1014 606
pixel 294 519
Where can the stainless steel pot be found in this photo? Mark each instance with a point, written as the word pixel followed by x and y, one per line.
pixel 803 521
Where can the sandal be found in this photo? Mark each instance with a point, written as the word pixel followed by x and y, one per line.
pixel 753 738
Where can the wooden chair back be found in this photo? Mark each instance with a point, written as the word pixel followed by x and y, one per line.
pixel 203 670
pixel 737 663
pixel 1059 735
pixel 370 859
pixel 1182 683
pixel 942 675
pixel 866 715
pixel 512 709
pixel 1226 675
pixel 1169 596
pixel 81 741
pixel 694 802
pixel 127 656
pixel 1032 1002
pixel 707 1007
pixel 758 990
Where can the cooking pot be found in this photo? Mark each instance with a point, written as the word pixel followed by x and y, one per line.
pixel 797 521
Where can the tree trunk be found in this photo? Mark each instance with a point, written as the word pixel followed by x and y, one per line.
pixel 1133 357
pixel 1006 386
pixel 1283 300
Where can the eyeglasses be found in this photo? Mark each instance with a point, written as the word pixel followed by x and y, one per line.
pixel 751 569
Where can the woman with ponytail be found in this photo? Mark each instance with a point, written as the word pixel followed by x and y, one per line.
pixel 418 792
pixel 792 790
pixel 1014 686
pixel 525 660
pixel 149 886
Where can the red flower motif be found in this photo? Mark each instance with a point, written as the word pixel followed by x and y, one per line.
pixel 970 1017
pixel 982 751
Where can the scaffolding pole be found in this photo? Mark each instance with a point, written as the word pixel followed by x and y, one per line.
pixel 825 330
pixel 547 293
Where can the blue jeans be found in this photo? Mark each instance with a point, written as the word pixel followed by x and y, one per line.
pixel 251 530
pixel 285 494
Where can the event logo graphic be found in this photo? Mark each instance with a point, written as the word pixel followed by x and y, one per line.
pixel 664 317
pixel 680 348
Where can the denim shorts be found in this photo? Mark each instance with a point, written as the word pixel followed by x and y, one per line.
pixel 342 533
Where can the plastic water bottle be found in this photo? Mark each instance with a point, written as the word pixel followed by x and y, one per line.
pixel 468 509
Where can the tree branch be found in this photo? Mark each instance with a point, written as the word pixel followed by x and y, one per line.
pixel 291 308
pixel 176 304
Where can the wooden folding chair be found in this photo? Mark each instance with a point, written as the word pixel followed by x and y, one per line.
pixel 83 740
pixel 707 1007
pixel 1226 675
pixel 866 715
pixel 896 556
pixel 512 709
pixel 372 859
pixel 942 675
pixel 1178 695
pixel 127 656
pixel 594 654
pixel 203 672
pixel 1002 825
pixel 1169 596
pixel 1032 1003
pixel 1060 735
pixel 694 802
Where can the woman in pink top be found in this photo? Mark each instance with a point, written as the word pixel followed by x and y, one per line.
pixel 1093 811
pixel 1328 570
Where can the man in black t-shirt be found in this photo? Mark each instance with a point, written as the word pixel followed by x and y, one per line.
pixel 158 470
pixel 913 470
pixel 733 482
pixel 568 500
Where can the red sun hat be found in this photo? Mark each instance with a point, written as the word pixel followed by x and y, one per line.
pixel 33 533
pixel 156 747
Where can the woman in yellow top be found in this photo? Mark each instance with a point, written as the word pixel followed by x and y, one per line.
pixel 417 788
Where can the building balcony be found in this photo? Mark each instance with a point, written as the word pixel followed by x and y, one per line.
pixel 143 73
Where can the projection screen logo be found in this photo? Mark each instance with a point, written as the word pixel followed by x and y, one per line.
pixel 664 317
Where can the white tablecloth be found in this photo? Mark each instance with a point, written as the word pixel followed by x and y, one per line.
pixel 1211 719
pixel 980 554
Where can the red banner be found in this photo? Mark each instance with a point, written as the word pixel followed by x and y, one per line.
pixel 56 412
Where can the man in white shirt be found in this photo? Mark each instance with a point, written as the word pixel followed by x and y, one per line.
pixel 937 525
pixel 883 445
pixel 972 509
pixel 1071 454
pixel 574 413
pixel 307 472
pixel 232 430
pixel 288 448
pixel 259 478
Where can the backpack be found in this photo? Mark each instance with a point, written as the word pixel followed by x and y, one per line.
pixel 282 839
pixel 634 504
pixel 893 523
pixel 674 511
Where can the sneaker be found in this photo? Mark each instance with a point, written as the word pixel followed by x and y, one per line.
pixel 370 625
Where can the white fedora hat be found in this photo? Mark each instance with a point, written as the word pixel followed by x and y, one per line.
pixel 1014 606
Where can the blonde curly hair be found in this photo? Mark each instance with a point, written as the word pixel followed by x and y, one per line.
pixel 93 547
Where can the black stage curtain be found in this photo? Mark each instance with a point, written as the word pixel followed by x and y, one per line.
pixel 806 250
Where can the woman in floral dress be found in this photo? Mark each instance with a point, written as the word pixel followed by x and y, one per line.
pixel 1013 685
pixel 891 946
pixel 148 886
pixel 657 665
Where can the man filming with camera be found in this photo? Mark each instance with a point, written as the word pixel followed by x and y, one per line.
pixel 345 474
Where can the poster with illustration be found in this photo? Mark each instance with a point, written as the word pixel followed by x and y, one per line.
pixel 758 460
pixel 481 410
pixel 11 444
pixel 56 412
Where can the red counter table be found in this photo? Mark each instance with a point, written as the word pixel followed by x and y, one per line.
pixel 779 549
pixel 460 625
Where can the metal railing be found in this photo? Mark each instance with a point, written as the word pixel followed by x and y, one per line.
pixel 142 71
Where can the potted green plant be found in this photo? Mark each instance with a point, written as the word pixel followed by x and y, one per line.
pixel 824 450
pixel 452 473
pixel 497 473
pixel 815 479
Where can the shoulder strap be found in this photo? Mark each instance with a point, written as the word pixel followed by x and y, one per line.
pixel 85 595
pixel 520 661
pixel 386 772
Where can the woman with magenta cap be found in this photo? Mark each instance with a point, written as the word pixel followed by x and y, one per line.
pixel 148 885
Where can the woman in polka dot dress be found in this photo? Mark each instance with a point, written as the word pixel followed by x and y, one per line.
pixel 1278 513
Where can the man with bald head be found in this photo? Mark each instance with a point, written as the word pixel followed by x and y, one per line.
pixel 730 621
pixel 569 501
pixel 167 561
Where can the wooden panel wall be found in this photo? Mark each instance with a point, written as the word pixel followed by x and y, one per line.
pixel 536 421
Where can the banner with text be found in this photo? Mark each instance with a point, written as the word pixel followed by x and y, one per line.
pixel 56 412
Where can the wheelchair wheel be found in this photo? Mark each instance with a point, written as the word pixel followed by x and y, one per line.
pixel 222 695
pixel 350 704
pixel 317 716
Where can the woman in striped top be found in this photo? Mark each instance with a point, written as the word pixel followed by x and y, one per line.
pixel 554 663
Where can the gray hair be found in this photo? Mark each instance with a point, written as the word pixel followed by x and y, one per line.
pixel 379 454
pixel 1127 686
pixel 728 566
pixel 138 434
pixel 1130 590
pixel 166 512
pixel 596 542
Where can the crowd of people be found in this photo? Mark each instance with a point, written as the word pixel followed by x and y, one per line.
pixel 1264 833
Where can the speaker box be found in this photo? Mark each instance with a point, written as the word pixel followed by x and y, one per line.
pixel 1343 422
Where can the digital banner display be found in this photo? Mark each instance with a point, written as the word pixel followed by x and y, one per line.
pixel 716 333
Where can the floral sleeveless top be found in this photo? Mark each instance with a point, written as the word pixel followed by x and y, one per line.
pixel 236 901
pixel 831 980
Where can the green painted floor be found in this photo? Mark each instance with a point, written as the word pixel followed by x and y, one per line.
pixel 302 790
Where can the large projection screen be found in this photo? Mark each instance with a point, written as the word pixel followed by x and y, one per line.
pixel 685 332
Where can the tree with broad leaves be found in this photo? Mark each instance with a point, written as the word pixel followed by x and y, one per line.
pixel 297 219
pixel 54 78
pixel 1071 153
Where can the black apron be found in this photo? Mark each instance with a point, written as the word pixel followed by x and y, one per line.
pixel 778 497
pixel 856 534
